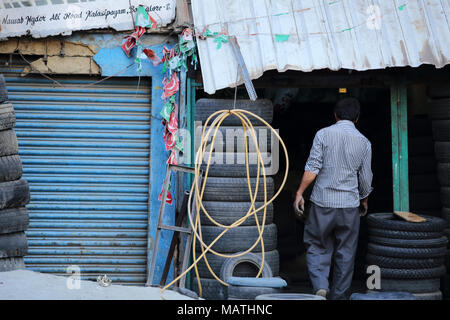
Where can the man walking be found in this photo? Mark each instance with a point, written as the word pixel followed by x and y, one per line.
pixel 340 162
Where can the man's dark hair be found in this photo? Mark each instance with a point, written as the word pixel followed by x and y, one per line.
pixel 347 109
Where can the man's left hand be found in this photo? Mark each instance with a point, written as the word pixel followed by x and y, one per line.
pixel 363 207
pixel 299 206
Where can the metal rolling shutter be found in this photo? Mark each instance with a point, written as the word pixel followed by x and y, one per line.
pixel 85 153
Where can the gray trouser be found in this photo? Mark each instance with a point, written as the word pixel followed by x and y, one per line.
pixel 328 231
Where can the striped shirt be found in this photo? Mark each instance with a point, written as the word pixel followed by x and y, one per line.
pixel 341 157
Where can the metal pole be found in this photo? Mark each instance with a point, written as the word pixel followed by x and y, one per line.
pixel 399 127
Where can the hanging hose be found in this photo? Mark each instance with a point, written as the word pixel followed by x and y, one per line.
pixel 198 194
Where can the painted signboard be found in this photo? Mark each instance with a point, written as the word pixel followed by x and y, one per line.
pixel 42 18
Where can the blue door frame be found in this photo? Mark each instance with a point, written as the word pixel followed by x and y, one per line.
pixel 111 61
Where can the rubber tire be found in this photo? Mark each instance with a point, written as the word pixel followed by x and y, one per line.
pixel 8 143
pixel 423 182
pixel 240 238
pixel 13 220
pixel 413 286
pixel 443 174
pixel 238 139
pixel 228 267
pixel 13 245
pixel 425 201
pixel 187 292
pixel 386 221
pixel 441 130
pixel 261 107
pixel 447 235
pixel 442 151
pixel 445 196
pixel 437 295
pixel 439 109
pixel 402 263
pixel 14 194
pixel 227 213
pixel 445 285
pixel 427 273
pixel 271 258
pixel 289 296
pixel 419 127
pixel 446 214
pixel 429 212
pixel 7 116
pixel 10 168
pixel 248 293
pixel 439 91
pixel 413 253
pixel 422 164
pixel 211 289
pixel 10 264
pixel 420 146
pixel 236 189
pixel 407 235
pixel 402 243
pixel 3 90
pixel 380 295
pixel 235 170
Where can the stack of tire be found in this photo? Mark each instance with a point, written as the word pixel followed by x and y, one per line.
pixel 410 255
pixel 226 199
pixel 14 192
pixel 423 177
pixel 248 288
pixel 439 108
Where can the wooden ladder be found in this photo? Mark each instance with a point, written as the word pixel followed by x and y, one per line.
pixel 177 228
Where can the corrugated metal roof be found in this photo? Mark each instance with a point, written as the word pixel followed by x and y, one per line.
pixel 308 35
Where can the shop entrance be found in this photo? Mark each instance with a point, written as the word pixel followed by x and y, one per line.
pixel 299 112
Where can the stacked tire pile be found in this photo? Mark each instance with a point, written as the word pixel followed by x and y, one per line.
pixel 14 192
pixel 248 288
pixel 439 107
pixel 423 177
pixel 226 199
pixel 410 255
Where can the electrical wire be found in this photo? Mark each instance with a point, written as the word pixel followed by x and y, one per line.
pixel 197 191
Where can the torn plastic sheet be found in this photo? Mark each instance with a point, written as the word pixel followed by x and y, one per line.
pixel 131 40
pixel 144 19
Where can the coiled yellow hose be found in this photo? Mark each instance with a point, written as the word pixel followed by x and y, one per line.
pixel 198 194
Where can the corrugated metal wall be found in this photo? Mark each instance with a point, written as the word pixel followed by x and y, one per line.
pixel 85 153
pixel 310 35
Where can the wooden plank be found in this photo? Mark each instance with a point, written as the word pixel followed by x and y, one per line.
pixel 395 156
pixel 181 215
pixel 175 228
pixel 403 148
pixel 399 127
pixel 155 244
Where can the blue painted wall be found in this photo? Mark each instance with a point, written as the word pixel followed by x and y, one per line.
pixel 112 59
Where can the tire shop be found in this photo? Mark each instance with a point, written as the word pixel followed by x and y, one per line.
pixel 94 152
pixel 403 94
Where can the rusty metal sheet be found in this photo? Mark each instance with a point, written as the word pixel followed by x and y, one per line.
pixel 307 35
